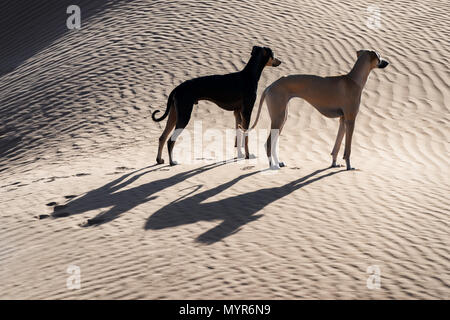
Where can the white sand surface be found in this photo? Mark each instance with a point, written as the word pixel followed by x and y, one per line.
pixel 78 148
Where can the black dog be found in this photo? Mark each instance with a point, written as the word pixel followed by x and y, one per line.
pixel 233 92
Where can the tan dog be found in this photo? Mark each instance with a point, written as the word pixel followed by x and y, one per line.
pixel 334 97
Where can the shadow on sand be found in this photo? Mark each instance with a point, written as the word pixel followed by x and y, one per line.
pixel 120 201
pixel 234 212
pixel 31 26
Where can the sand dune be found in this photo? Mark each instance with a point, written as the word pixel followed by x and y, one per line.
pixel 79 185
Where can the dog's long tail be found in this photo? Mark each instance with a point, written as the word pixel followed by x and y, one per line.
pixel 263 96
pixel 169 105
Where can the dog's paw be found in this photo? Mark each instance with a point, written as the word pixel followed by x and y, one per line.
pixel 159 161
pixel 282 164
pixel 173 163
pixel 275 167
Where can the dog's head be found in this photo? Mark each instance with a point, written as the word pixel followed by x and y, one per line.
pixel 266 55
pixel 374 57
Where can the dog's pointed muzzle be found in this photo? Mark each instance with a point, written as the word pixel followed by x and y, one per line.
pixel 276 62
pixel 383 64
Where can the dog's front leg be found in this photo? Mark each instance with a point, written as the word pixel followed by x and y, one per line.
pixel 245 124
pixel 349 127
pixel 246 115
pixel 239 140
pixel 237 118
pixel 247 153
pixel 337 144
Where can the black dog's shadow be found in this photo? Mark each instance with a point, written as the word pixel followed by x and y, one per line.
pixel 121 201
pixel 234 212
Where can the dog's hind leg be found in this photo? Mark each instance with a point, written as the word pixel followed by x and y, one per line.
pixel 282 164
pixel 276 129
pixel 171 121
pixel 183 117
pixel 278 113
pixel 337 144
pixel 272 140
pixel 268 146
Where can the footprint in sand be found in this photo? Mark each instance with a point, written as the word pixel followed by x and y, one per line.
pixel 42 216
pixel 57 210
pixel 82 174
pixel 91 222
pixel 124 168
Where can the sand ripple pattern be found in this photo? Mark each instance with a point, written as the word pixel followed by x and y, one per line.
pixel 77 144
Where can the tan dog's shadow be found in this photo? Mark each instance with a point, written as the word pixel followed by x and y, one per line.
pixel 235 212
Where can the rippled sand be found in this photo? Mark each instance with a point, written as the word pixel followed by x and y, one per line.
pixel 79 185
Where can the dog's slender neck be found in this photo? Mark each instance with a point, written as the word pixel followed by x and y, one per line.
pixel 360 71
pixel 254 68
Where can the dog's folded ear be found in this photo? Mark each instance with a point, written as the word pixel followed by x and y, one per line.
pixel 269 51
pixel 254 50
